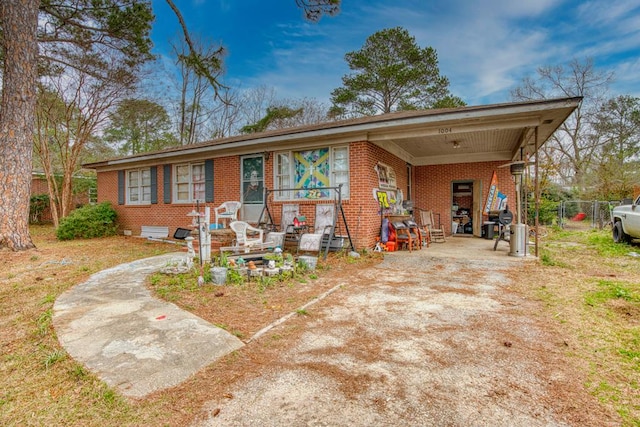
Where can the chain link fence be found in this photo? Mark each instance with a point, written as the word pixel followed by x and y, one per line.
pixel 582 214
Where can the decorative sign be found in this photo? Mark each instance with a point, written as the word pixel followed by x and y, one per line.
pixel 389 201
pixel 386 177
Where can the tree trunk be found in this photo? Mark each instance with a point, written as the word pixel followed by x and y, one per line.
pixel 19 20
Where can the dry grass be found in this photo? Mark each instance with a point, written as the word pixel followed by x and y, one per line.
pixel 41 385
pixel 590 288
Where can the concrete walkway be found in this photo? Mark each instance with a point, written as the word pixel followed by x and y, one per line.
pixel 132 341
pixel 139 344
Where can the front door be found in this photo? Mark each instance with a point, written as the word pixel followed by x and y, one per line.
pixel 252 185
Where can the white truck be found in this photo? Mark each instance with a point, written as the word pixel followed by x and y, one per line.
pixel 626 222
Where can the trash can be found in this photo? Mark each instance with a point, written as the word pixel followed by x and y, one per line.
pixel 518 239
pixel 487 230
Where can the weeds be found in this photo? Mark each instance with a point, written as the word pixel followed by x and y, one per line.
pixel 44 323
pixel 54 357
pixel 608 290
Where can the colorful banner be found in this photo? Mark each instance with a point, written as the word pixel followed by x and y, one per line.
pixel 493 193
pixel 496 201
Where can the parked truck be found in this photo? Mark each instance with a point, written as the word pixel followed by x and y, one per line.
pixel 626 222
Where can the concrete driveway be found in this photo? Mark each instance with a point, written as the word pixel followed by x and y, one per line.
pixel 431 338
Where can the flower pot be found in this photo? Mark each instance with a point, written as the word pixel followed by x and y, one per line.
pixel 309 261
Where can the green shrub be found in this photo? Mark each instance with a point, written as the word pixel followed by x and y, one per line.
pixel 88 222
pixel 547 213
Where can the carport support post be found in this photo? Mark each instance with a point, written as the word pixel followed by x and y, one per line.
pixel 537 191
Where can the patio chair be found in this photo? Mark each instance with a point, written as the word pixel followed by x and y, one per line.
pixel 434 234
pixel 404 236
pixel 415 232
pixel 246 235
pixel 227 211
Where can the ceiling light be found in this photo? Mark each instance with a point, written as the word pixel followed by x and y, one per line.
pixel 456 144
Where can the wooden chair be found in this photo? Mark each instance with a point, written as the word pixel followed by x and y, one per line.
pixel 415 232
pixel 435 235
pixel 404 236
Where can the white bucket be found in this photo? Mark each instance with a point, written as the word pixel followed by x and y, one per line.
pixel 309 261
pixel 218 275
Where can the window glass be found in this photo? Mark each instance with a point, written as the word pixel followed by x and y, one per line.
pixel 198 182
pixel 189 183
pixel 139 186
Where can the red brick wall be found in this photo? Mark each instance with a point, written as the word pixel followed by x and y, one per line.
pixel 433 185
pixel 226 181
pixel 39 186
pixel 431 189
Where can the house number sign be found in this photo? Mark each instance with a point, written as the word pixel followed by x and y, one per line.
pixel 444 130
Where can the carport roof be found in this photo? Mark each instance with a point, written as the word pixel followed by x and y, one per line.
pixel 425 137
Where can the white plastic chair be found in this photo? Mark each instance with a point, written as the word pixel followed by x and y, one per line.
pixel 227 211
pixel 246 234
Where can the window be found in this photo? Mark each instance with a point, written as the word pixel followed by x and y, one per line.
pixel 341 169
pixel 283 175
pixel 139 187
pixel 308 171
pixel 189 182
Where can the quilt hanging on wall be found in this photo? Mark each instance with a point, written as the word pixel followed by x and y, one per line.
pixel 312 173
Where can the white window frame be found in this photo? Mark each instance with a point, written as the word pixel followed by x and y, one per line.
pixel 285 178
pixel 139 187
pixel 189 182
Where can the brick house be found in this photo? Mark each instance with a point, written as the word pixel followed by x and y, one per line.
pixel 434 158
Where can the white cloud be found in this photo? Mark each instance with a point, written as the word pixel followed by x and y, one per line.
pixel 484 47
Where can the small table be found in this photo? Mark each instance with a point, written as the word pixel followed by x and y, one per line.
pixel 294 232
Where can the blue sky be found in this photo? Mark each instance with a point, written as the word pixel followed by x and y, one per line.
pixel 485 47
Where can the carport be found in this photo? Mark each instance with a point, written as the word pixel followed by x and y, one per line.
pixel 503 133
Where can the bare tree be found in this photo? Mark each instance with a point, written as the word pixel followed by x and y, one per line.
pixel 225 115
pixel 194 88
pixel 72 107
pixel 570 151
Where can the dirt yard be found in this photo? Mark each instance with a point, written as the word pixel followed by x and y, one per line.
pixel 415 340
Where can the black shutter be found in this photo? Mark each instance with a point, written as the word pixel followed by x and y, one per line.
pixel 208 181
pixel 121 187
pixel 167 183
pixel 154 185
